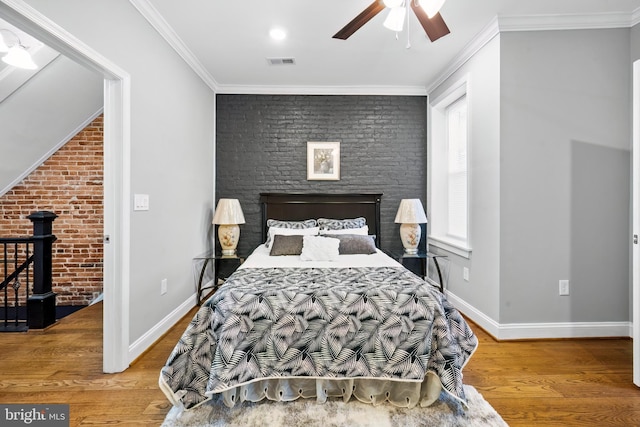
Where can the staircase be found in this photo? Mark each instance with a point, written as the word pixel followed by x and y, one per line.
pixel 25 267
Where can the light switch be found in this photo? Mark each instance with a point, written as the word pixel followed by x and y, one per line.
pixel 140 202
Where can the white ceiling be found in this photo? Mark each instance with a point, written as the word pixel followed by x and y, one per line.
pixel 228 41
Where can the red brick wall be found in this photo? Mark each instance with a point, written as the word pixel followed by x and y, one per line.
pixel 68 184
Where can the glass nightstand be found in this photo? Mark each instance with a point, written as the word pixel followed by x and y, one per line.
pixel 223 267
pixel 426 265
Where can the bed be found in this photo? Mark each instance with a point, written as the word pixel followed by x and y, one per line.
pixel 306 317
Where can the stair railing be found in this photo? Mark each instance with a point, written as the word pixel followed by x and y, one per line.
pixel 26 268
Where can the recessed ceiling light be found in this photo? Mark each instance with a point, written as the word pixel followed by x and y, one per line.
pixel 278 34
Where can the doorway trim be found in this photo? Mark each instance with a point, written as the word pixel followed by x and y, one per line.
pixel 635 226
pixel 117 179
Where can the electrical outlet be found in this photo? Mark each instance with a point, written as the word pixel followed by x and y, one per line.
pixel 465 273
pixel 564 287
pixel 163 286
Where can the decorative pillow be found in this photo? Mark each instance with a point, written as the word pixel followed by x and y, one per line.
pixel 274 231
pixel 318 248
pixel 355 244
pixel 341 224
pixel 309 223
pixel 363 231
pixel 286 245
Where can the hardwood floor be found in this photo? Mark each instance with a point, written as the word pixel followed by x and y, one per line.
pixel 542 383
pixel 580 382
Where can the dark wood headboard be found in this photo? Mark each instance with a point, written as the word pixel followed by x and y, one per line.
pixel 301 206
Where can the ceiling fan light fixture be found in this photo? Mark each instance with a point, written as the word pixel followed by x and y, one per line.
pixel 392 3
pixel 19 57
pixel 431 7
pixel 395 19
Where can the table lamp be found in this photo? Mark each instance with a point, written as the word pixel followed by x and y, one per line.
pixel 410 215
pixel 227 216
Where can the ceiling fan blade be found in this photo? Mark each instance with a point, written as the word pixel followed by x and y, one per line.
pixel 434 27
pixel 372 10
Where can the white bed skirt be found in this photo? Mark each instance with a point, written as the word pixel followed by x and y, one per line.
pixel 369 390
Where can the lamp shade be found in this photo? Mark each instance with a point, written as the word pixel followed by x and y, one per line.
pixel 392 3
pixel 395 19
pixel 228 211
pixel 431 7
pixel 411 211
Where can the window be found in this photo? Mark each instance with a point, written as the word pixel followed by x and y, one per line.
pixel 456 140
pixel 449 163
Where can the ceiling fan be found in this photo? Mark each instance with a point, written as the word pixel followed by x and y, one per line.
pixel 427 12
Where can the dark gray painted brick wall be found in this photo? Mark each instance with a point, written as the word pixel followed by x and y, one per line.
pixel 261 146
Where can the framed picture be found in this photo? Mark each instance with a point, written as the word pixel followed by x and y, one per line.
pixel 323 161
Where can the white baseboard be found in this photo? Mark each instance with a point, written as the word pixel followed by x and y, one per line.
pixel 154 334
pixel 520 331
pixel 509 331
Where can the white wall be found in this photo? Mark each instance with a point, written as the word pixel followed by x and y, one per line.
pixel 172 137
pixel 42 114
pixel 482 289
pixel 565 141
pixel 549 182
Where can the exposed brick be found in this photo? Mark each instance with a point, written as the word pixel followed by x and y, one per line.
pixel 261 146
pixel 70 185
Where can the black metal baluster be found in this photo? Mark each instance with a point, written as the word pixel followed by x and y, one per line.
pixel 16 286
pixel 28 284
pixel 6 291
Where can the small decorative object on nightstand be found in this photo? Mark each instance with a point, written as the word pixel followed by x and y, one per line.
pixel 410 215
pixel 228 215
pixel 224 266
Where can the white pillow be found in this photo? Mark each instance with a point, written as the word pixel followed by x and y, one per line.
pixel 318 248
pixel 361 231
pixel 313 231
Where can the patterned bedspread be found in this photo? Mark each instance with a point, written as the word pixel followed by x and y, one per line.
pixel 382 322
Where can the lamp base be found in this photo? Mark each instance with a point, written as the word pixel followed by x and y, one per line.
pixel 410 235
pixel 228 234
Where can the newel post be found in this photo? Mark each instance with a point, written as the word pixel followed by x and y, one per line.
pixel 41 305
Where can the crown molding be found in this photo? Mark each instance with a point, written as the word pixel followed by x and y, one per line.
pixel 635 17
pixel 156 20
pixel 479 41
pixel 589 21
pixel 534 23
pixel 322 90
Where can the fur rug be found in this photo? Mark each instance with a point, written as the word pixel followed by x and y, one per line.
pixel 308 413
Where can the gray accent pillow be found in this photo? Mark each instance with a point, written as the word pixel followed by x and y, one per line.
pixel 355 244
pixel 296 225
pixel 286 245
pixel 341 224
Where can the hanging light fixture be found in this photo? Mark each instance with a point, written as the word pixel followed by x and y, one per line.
pixel 17 54
pixel 19 57
pixel 395 19
pixel 398 11
pixel 431 7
